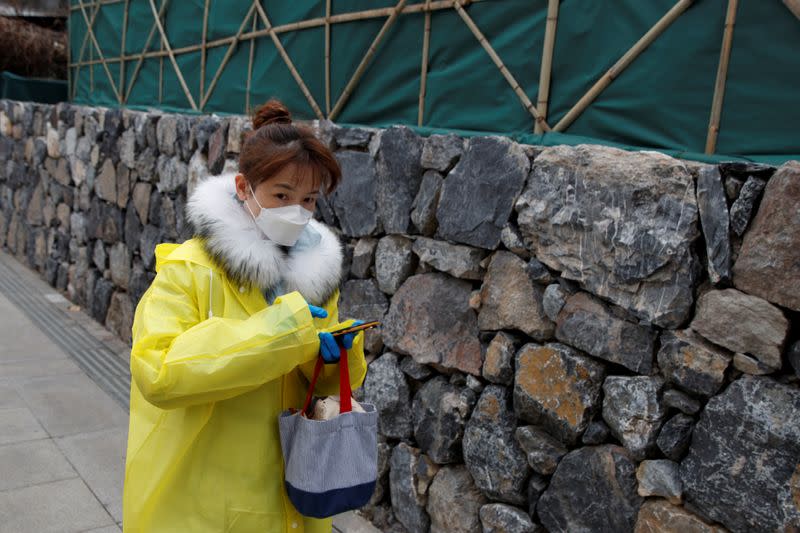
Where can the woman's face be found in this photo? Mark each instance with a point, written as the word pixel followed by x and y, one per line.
pixel 292 185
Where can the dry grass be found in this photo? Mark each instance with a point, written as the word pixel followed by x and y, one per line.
pixel 27 49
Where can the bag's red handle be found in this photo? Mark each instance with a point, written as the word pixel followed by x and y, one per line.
pixel 345 392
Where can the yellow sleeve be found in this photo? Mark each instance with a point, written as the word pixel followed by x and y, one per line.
pixel 328 381
pixel 178 359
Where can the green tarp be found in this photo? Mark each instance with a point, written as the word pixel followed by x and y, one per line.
pixel 662 101
pixel 15 87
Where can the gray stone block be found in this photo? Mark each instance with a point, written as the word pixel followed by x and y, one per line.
pixel 769 261
pixel 423 210
pixel 675 436
pixel 761 328
pixel 544 451
pixel 352 137
pixel 588 324
pixel 498 364
pixel 430 319
pixel 394 262
pixel 632 409
pixel 386 388
pixel 440 152
pixel 454 501
pixel 479 193
pixel 459 261
pixel 440 411
pixel 502 518
pixel 399 176
pixel 622 224
pixel 558 388
pixel 660 478
pixel 510 300
pixel 713 207
pixel 354 201
pixel 493 457
pixel 692 363
pixel 753 430
pixel 363 300
pixel 593 489
pixel 409 488
pixel 363 257
pixel 745 205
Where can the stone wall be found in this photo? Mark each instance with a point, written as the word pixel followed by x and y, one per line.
pixel 575 338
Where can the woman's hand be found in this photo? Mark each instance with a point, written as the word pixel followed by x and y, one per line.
pixel 329 347
pixel 317 312
pixel 347 338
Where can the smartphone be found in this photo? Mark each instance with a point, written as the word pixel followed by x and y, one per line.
pixel 352 329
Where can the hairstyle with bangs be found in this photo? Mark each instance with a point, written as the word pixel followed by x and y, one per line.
pixel 276 142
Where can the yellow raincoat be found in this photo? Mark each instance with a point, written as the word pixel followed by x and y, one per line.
pixel 213 365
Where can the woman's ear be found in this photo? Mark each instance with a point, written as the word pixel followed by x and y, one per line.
pixel 242 190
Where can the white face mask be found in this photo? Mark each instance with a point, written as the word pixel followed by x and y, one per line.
pixel 282 225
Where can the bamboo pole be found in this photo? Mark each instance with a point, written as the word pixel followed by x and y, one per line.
pixel 622 64
pixel 362 67
pixel 250 71
pixel 204 50
pixel 289 63
pixel 373 13
pixel 99 52
pixel 70 91
pixel 166 45
pixel 328 57
pixel 294 26
pixel 91 70
pixel 98 3
pixel 793 6
pixel 122 50
pixel 142 55
pixel 424 77
pixel 722 75
pixel 547 63
pixel 91 53
pixel 228 55
pixel 95 10
pixel 526 102
pixel 161 74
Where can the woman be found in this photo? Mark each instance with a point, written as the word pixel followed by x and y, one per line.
pixel 226 338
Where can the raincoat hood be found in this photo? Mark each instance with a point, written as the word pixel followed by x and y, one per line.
pixel 313 266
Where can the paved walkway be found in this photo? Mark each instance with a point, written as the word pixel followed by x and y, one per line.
pixel 63 417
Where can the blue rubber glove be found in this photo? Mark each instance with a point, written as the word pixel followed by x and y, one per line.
pixel 328 348
pixel 317 312
pixel 327 344
pixel 347 339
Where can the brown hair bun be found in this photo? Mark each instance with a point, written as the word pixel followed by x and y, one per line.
pixel 272 112
pixel 267 150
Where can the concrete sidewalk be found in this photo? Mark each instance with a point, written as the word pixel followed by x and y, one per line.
pixel 62 438
pixel 63 414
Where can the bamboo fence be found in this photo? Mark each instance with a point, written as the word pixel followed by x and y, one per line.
pixel 256 25
pixel 722 74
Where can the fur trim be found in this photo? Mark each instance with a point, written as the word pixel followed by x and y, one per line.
pixel 232 239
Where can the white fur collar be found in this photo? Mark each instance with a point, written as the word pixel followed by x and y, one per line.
pixel 234 242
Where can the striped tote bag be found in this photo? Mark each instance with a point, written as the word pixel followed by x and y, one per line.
pixel 331 466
